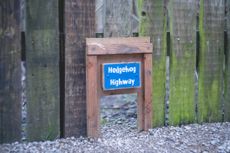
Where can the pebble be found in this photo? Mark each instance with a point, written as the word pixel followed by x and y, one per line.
pixel 120 138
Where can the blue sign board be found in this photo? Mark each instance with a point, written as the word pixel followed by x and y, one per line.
pixel 121 75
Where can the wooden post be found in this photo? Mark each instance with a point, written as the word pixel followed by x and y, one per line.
pixel 93 107
pixel 147 91
pixel 42 61
pixel 211 27
pixel 183 16
pixel 79 24
pixel 153 24
pixel 140 109
pixel 227 69
pixel 10 72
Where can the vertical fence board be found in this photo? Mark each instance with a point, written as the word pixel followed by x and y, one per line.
pixel 100 7
pixel 135 17
pixel 79 24
pixel 211 27
pixel 227 68
pixel 10 71
pixel 118 21
pixel 42 61
pixel 153 24
pixel 22 15
pixel 182 61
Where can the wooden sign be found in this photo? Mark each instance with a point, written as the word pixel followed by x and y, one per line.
pixel 118 66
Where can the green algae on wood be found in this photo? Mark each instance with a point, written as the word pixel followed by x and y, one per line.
pixel 211 27
pixel 42 61
pixel 182 61
pixel 227 70
pixel 10 72
pixel 153 24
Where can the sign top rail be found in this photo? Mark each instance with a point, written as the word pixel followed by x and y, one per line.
pixel 111 46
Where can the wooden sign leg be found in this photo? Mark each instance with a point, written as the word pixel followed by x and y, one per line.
pixel 147 91
pixel 92 100
pixel 140 110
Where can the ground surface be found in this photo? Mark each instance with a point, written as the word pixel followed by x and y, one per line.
pixel 119 135
pixel 124 138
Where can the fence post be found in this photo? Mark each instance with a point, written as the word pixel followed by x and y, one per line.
pixel 183 17
pixel 211 27
pixel 153 23
pixel 79 23
pixel 10 72
pixel 42 62
pixel 227 69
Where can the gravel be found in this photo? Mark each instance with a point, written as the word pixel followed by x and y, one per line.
pixel 118 108
pixel 124 138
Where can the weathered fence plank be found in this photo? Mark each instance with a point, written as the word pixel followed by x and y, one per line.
pixel 227 68
pixel 153 24
pixel 22 15
pixel 42 61
pixel 100 8
pixel 79 24
pixel 135 17
pixel 10 71
pixel 211 27
pixel 118 19
pixel 182 61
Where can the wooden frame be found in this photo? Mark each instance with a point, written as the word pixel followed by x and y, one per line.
pixel 102 50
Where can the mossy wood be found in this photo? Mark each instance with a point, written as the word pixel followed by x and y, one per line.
pixel 211 27
pixel 79 23
pixel 10 72
pixel 227 68
pixel 42 61
pixel 153 24
pixel 182 16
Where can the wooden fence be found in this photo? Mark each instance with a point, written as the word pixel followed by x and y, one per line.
pixel 194 34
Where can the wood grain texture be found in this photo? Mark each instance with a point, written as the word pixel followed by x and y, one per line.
pixel 153 24
pixel 10 72
pixel 119 40
pixel 118 20
pixel 100 18
pixel 22 15
pixel 111 49
pixel 42 61
pixel 92 100
pixel 140 109
pixel 135 17
pixel 182 14
pixel 211 26
pixel 227 69
pixel 147 89
pixel 79 24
